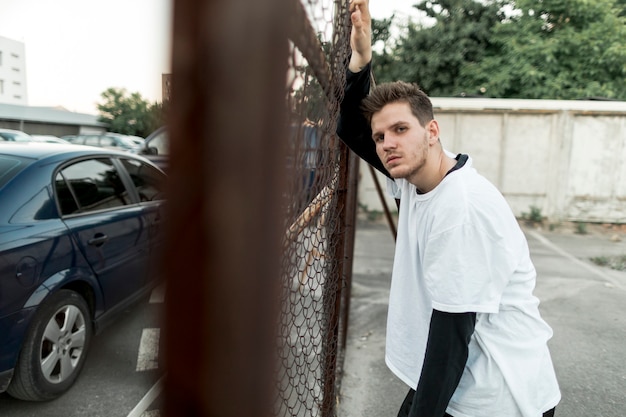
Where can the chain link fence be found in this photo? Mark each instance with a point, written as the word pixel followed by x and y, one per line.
pixel 321 205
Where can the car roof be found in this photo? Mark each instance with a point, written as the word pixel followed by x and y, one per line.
pixel 40 150
pixel 39 163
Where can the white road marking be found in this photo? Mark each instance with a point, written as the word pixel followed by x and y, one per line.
pixel 592 269
pixel 148 399
pixel 148 357
pixel 158 294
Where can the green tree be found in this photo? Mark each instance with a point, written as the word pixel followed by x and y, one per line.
pixel 129 113
pixel 433 56
pixel 556 49
pixel 383 62
pixel 549 49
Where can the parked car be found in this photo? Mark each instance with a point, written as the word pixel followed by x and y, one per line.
pixel 10 135
pixel 157 147
pixel 48 139
pixel 138 140
pixel 105 140
pixel 79 230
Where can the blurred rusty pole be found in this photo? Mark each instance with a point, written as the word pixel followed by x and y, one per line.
pixel 224 223
pixel 337 296
pixel 381 196
pixel 350 232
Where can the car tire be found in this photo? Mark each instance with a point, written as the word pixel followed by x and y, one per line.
pixel 54 349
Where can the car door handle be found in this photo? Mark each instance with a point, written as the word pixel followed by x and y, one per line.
pixel 98 240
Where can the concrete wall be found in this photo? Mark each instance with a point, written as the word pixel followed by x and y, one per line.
pixel 565 157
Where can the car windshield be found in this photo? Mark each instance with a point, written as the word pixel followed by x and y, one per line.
pixel 160 142
pixel 10 166
pixel 16 136
pixel 127 142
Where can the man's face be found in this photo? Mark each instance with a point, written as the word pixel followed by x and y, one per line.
pixel 402 144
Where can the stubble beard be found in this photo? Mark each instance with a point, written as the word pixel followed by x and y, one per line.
pixel 412 172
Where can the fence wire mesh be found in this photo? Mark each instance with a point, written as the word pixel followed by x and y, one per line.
pixel 313 308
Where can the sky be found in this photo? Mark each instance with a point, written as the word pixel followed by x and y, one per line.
pixel 385 8
pixel 76 49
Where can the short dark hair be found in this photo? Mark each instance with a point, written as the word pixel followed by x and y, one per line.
pixel 386 93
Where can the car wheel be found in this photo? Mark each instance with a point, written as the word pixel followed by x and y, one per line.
pixel 55 348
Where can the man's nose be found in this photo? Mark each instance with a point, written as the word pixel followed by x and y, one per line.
pixel 389 142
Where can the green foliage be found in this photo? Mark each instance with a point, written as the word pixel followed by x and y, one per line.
pixel 130 114
pixel 581 228
pixel 381 30
pixel 556 49
pixel 616 262
pixel 544 49
pixel 534 215
pixel 371 215
pixel 434 56
pixel 553 226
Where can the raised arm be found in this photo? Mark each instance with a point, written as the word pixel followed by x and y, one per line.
pixel 353 128
pixel 361 35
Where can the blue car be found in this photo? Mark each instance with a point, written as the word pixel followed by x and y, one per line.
pixel 79 229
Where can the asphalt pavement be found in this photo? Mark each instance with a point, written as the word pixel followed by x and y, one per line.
pixel 582 302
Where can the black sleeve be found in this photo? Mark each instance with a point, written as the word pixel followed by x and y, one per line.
pixel 352 127
pixel 446 356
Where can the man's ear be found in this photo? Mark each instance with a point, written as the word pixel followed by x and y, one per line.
pixel 433 131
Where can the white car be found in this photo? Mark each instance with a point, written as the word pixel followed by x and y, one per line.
pixel 10 135
pixel 48 139
pixel 106 140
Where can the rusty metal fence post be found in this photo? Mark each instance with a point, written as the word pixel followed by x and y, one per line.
pixel 262 205
pixel 225 203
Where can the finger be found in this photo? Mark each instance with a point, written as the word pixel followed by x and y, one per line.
pixel 360 16
pixel 354 4
pixel 365 10
pixel 356 17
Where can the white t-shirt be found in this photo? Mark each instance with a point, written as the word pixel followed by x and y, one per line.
pixel 459 248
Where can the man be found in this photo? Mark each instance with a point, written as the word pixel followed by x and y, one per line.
pixel 463 327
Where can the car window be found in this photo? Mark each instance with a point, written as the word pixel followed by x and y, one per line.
pixel 126 142
pixel 40 206
pixel 15 136
pixel 90 185
pixel 10 166
pixel 107 141
pixel 90 140
pixel 149 181
pixel 161 143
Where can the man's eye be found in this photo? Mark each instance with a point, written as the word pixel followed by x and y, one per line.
pixel 379 138
pixel 401 129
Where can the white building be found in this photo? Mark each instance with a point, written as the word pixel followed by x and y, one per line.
pixel 12 72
